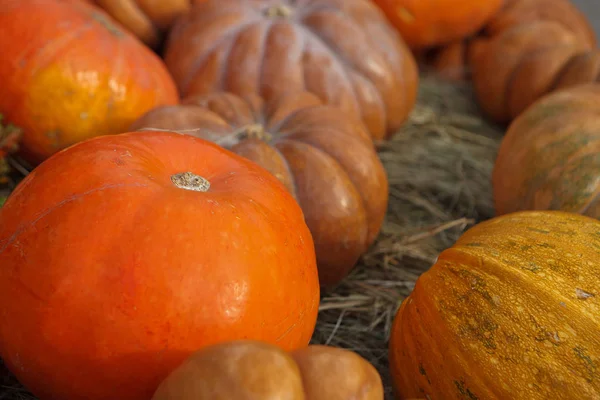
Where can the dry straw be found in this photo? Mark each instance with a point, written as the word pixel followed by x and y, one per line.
pixel 439 170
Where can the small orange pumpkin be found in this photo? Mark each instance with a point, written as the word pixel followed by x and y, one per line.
pixel 510 311
pixel 69 72
pixel 253 370
pixel 434 23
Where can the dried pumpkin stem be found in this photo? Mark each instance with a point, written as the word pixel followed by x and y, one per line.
pixel 278 11
pixel 254 131
pixel 190 181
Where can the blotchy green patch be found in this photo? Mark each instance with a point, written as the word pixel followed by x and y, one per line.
pixel 589 365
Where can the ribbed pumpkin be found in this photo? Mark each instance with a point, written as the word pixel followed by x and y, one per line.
pixel 344 51
pixel 69 72
pixel 251 370
pixel 147 19
pixel 529 49
pixel 324 157
pixel 429 23
pixel 511 311
pixel 550 156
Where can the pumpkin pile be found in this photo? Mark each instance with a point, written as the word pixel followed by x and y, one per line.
pixel 195 174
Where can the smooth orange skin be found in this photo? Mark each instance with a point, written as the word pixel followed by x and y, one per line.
pixel 69 72
pixel 111 276
pixel 510 311
pixel 428 23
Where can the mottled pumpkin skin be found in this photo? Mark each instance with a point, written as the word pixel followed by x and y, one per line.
pixel 324 157
pixel 528 50
pixel 549 158
pixel 429 23
pixel 147 19
pixel 112 274
pixel 344 51
pixel 69 72
pixel 250 370
pixel 511 311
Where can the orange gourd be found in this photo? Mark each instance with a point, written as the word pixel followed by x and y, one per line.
pixel 69 72
pixel 510 311
pixel 529 49
pixel 431 23
pixel 123 254
pixel 324 157
pixel 344 51
pixel 251 370
pixel 550 155
pixel 149 20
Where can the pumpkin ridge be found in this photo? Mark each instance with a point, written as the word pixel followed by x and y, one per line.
pixel 340 62
pixel 24 226
pixel 45 54
pixel 509 87
pixel 456 348
pixel 455 254
pixel 186 81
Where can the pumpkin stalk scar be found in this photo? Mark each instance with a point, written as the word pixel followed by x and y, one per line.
pixel 278 11
pixel 253 131
pixel 190 181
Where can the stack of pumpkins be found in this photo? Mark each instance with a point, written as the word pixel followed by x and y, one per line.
pixel 224 183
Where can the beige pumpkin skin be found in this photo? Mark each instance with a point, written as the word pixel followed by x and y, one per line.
pixel 251 370
pixel 344 51
pixel 511 311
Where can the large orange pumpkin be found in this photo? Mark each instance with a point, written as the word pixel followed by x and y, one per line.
pixel 529 49
pixel 251 370
pixel 429 23
pixel 323 156
pixel 550 156
pixel 342 50
pixel 69 73
pixel 511 311
pixel 147 19
pixel 123 254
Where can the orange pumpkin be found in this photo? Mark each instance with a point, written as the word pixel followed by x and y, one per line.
pixel 344 51
pixel 323 156
pixel 511 311
pixel 147 19
pixel 550 156
pixel 123 254
pixel 253 370
pixel 527 51
pixel 70 73
pixel 438 22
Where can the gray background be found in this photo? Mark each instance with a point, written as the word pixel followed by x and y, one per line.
pixel 591 8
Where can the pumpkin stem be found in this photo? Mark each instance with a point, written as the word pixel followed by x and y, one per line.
pixel 253 131
pixel 190 181
pixel 279 11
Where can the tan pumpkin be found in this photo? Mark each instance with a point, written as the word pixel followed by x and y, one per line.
pixel 324 157
pixel 550 155
pixel 529 49
pixel 251 370
pixel 345 51
pixel 147 19
pixel 510 311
